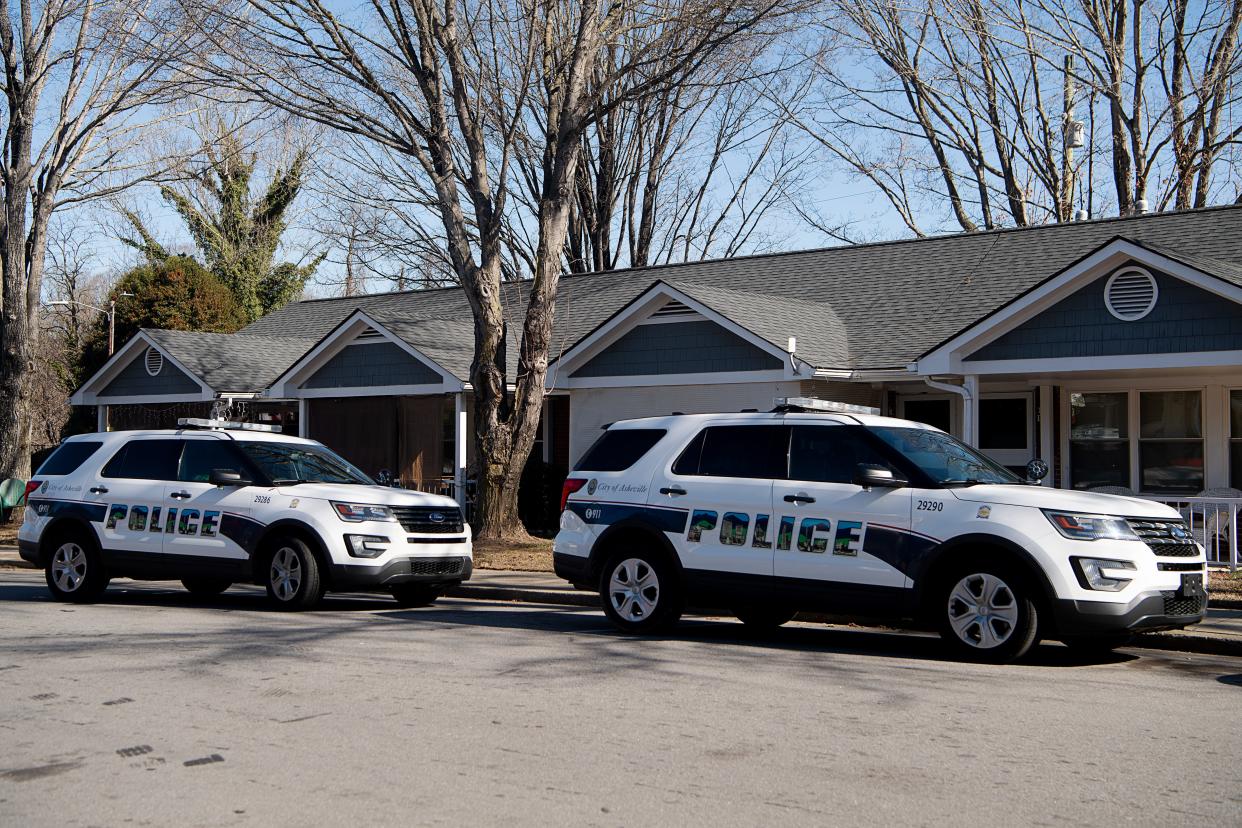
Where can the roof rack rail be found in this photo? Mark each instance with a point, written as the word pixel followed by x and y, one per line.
pixel 227 425
pixel 786 405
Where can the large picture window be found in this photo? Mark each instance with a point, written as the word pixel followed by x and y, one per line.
pixel 1171 442
pixel 1099 440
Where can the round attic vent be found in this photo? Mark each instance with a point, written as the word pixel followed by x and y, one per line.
pixel 1130 294
pixel 154 361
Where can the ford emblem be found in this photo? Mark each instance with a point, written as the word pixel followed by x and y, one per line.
pixel 436 517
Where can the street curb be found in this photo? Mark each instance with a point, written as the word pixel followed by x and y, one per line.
pixel 18 564
pixel 1180 642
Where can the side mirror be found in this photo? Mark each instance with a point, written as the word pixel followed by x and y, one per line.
pixel 869 476
pixel 227 477
pixel 1036 470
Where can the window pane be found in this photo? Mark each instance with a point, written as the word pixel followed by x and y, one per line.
pixel 619 449
pixel 829 454
pixel 1170 414
pixel 1099 463
pixel 67 458
pixel 1002 423
pixel 1235 464
pixel 744 451
pixel 1172 467
pixel 201 457
pixel 145 460
pixel 1098 417
pixel 935 413
pixel 1235 415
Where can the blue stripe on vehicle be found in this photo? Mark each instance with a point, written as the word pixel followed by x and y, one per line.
pixel 93 512
pixel 241 530
pixel 901 549
pixel 666 520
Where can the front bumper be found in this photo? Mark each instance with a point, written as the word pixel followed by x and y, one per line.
pixel 437 570
pixel 1147 612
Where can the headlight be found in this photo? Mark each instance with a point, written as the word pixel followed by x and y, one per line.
pixel 1102 573
pixel 367 546
pixel 355 512
pixel 1091 527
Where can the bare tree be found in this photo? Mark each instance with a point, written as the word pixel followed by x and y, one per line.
pixel 81 79
pixel 456 87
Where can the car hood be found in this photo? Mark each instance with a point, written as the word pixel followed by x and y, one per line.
pixel 1066 500
pixel 377 495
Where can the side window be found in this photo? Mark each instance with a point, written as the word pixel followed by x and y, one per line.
pixel 830 454
pixel 757 451
pixel 618 450
pixel 67 458
pixel 145 460
pixel 201 457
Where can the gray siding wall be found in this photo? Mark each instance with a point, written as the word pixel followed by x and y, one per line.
pixel 699 347
pixel 1185 318
pixel 372 365
pixel 134 381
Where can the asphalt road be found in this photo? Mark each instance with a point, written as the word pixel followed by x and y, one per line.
pixel 154 709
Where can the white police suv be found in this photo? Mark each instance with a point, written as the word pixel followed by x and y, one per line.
pixel 215 503
pixel 821 507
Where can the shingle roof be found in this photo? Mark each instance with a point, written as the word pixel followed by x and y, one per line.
pixel 866 306
pixel 229 362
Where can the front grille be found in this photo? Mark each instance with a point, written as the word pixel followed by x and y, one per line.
pixel 423 519
pixel 1174 550
pixel 436 566
pixel 1184 605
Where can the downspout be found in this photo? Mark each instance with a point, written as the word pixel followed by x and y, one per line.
pixel 968 392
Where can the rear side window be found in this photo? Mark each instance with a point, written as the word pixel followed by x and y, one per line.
pixel 754 451
pixel 618 450
pixel 145 460
pixel 68 458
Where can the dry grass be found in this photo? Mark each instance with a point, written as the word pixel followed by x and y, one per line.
pixel 8 531
pixel 526 557
pixel 1225 585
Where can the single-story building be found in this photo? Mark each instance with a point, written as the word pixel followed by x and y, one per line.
pixel 1111 349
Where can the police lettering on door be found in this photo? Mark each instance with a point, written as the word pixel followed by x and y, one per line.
pixel 148 519
pixel 813 535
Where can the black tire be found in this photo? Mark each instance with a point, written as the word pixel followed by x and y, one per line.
pixel 764 618
pixel 206 587
pixel 1088 645
pixel 75 570
pixel 655 603
pixel 291 574
pixel 999 624
pixel 411 596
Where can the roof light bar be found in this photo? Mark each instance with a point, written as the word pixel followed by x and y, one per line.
pixel 203 422
pixel 829 406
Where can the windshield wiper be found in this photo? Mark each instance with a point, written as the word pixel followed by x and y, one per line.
pixel 968 481
pixel 287 481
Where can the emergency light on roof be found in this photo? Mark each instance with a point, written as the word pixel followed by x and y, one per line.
pixel 812 404
pixel 203 422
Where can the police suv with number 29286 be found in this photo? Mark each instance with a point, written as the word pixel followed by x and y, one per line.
pixel 216 503
pixel 825 507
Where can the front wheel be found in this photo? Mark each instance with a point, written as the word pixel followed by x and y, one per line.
pixel 640 593
pixel 293 580
pixel 76 572
pixel 986 613
pixel 411 596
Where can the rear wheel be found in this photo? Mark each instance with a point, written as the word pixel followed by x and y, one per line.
pixel 764 618
pixel 986 613
pixel 205 587
pixel 415 595
pixel 640 592
pixel 293 579
pixel 75 571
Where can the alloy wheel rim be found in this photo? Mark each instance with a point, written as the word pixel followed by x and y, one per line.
pixel 69 567
pixel 634 589
pixel 983 611
pixel 286 574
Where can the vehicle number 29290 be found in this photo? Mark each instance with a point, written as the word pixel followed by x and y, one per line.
pixel 930 506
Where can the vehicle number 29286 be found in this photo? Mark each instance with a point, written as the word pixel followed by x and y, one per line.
pixel 930 506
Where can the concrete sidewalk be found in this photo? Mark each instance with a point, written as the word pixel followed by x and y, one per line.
pixel 1220 633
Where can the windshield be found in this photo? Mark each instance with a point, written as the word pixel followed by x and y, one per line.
pixel 288 463
pixel 945 459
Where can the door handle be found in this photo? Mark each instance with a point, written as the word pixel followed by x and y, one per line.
pixel 99 489
pixel 180 495
pixel 672 490
pixel 799 498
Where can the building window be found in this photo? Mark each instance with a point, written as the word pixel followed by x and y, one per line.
pixel 1171 442
pixel 1235 439
pixel 937 413
pixel 1099 440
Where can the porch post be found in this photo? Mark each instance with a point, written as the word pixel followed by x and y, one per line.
pixel 101 415
pixel 1047 420
pixel 459 448
pixel 303 418
pixel 970 410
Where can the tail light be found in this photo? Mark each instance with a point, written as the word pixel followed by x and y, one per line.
pixel 31 487
pixel 572 484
